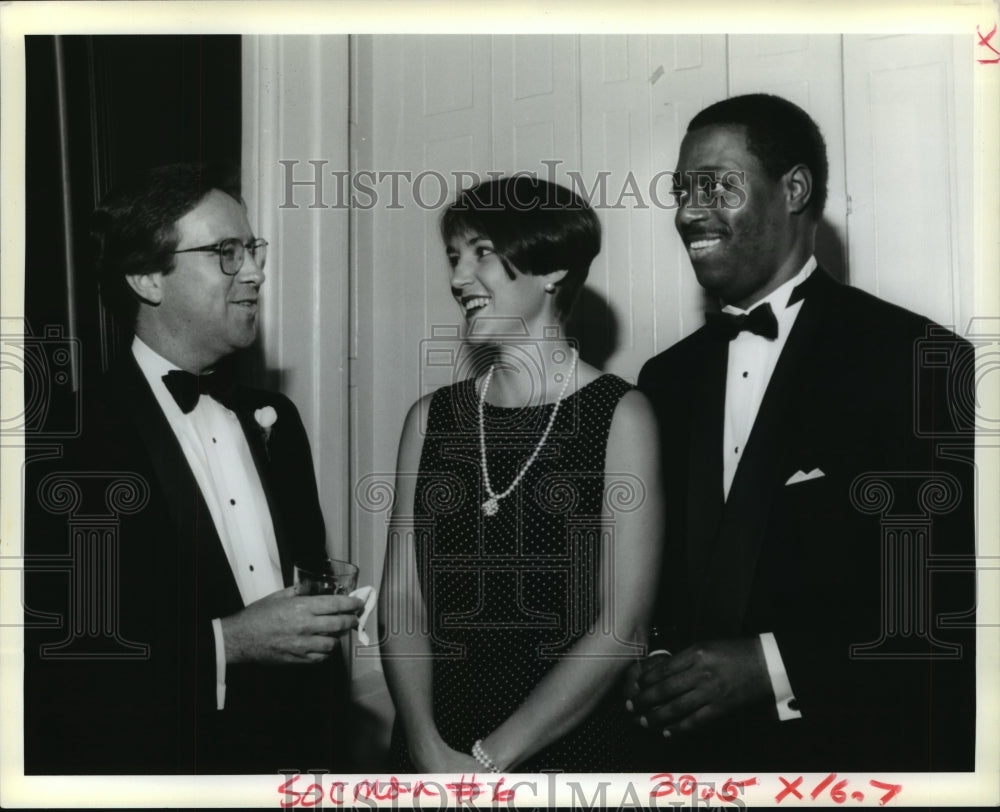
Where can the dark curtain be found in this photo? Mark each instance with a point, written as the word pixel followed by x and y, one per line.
pixel 98 109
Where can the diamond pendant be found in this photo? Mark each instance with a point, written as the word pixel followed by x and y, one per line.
pixel 491 506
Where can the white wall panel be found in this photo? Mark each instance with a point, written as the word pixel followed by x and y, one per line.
pixel 535 100
pixel 296 92
pixel 805 69
pixel 615 139
pixel 908 172
pixel 693 76
pixel 534 66
pixel 448 81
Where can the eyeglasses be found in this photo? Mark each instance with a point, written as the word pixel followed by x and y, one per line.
pixel 231 253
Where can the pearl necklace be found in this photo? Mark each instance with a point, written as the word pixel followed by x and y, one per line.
pixel 492 505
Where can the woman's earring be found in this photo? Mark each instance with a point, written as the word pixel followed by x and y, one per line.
pixel 550 287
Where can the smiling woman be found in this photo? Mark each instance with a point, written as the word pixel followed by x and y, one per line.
pixel 536 227
pixel 488 666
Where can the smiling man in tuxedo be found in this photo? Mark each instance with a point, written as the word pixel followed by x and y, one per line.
pixel 238 674
pixel 799 640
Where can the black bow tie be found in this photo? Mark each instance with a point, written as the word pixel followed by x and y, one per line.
pixel 187 387
pixel 760 320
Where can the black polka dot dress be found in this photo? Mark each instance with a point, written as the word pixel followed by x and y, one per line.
pixel 508 595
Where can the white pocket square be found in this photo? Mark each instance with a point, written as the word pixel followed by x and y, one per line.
pixel 802 476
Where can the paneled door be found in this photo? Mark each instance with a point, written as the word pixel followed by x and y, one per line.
pixel 909 147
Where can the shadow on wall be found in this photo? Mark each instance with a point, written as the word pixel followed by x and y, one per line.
pixel 594 326
pixel 830 251
pixel 252 369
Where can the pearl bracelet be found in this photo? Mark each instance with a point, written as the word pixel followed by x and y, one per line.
pixel 479 754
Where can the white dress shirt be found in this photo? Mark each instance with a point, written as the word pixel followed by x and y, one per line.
pixel 752 359
pixel 216 449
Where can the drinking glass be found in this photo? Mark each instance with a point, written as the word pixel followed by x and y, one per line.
pixel 325 576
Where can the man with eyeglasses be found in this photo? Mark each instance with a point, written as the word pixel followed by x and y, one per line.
pixel 238 674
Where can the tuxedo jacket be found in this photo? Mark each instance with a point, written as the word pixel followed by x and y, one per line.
pixel 862 571
pixel 120 670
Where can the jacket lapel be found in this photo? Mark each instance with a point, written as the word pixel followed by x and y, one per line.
pixel 197 538
pixel 705 494
pixel 721 610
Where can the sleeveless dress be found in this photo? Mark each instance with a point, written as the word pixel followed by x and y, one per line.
pixel 508 595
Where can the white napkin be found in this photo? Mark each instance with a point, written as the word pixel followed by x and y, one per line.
pixel 369 596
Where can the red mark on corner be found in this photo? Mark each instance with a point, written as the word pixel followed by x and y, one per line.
pixel 984 42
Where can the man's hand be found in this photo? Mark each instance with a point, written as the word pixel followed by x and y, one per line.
pixel 698 685
pixel 287 628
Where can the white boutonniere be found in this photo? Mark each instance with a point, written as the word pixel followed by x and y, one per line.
pixel 266 418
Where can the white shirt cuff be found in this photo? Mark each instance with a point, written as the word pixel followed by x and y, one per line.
pixel 783 696
pixel 220 665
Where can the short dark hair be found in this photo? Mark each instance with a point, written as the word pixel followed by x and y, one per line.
pixel 535 226
pixel 780 134
pixel 134 225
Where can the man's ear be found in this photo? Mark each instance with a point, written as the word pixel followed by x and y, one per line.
pixel 798 186
pixel 147 286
